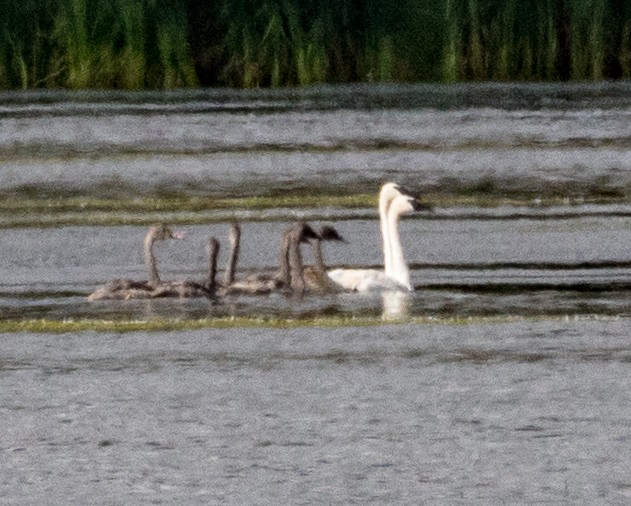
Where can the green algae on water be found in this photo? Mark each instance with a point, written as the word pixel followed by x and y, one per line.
pixel 228 322
pixel 89 211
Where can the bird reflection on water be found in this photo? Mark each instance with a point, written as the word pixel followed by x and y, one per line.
pixel 396 305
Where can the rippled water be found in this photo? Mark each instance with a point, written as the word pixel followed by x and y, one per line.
pixel 459 267
pixel 530 409
pixel 569 140
pixel 530 412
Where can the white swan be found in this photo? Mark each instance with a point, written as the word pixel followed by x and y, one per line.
pixel 392 205
pixel 387 193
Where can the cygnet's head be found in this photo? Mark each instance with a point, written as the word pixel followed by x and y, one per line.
pixel 328 233
pixel 161 232
pixel 306 232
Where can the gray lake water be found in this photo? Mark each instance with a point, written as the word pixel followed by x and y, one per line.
pixel 533 408
pixel 518 413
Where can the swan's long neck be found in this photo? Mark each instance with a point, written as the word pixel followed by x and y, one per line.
pixel 385 234
pixel 150 261
pixel 212 263
pixel 316 246
pixel 235 241
pixel 296 266
pixel 399 270
pixel 283 271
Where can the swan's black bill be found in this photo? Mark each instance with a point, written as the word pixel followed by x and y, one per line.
pixel 306 232
pixel 419 206
pixel 328 233
pixel 414 199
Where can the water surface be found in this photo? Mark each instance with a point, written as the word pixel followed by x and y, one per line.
pixel 570 140
pixel 503 381
pixel 525 412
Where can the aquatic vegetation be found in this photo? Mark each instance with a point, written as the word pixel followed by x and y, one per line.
pixel 149 204
pixel 135 44
pixel 49 212
pixel 278 322
pixel 94 211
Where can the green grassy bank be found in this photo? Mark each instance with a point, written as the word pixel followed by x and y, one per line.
pixel 135 44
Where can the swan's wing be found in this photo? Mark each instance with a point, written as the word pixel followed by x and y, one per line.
pixel 349 279
pixel 318 282
pixel 362 280
pixel 380 282
pixel 119 289
pixel 249 287
pixel 182 289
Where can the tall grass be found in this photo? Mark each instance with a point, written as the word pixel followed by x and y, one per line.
pixel 131 31
pixel 588 39
pixel 88 43
pixel 73 34
pixel 278 45
pixel 174 68
pixel 134 44
pixel 25 33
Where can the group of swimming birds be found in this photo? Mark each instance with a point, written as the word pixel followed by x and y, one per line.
pixel 292 276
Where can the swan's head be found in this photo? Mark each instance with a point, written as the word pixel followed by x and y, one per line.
pixel 391 187
pixel 235 232
pixel 328 233
pixel 162 232
pixel 306 232
pixel 387 193
pixel 213 244
pixel 406 204
pixel 390 191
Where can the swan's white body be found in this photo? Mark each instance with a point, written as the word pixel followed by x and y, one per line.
pixel 363 280
pixel 392 205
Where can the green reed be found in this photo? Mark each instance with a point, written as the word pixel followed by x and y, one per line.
pixel 175 67
pixel 25 29
pixel 274 47
pixel 310 60
pixel 90 44
pixel 134 44
pixel 536 40
pixel 132 60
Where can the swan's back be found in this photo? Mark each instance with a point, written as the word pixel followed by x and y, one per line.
pixel 122 289
pixel 181 289
pixel 363 280
pixel 252 285
pixel 127 290
pixel 319 282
